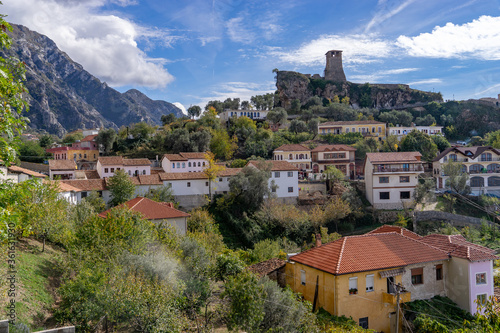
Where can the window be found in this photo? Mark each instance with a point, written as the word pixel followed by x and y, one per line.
pixel 384 196
pixel 383 180
pixel 290 173
pixel 173 165
pixel 481 278
pixel 130 173
pixel 277 174
pixel 84 155
pixel 476 182
pixel 417 276
pixel 183 165
pixel 303 277
pixel 273 189
pixel 74 156
pixel 105 170
pixel 199 164
pixel 347 130
pixel 206 183
pixel 112 170
pixel 353 285
pixel 189 164
pixel 221 179
pixel 404 195
pixel 439 272
pixel 178 165
pixel 143 172
pixel 380 129
pixel 369 282
pixel 353 130
pixel 481 299
pixel 79 155
pixel 203 163
pixel 404 179
pixel 373 129
pixel 290 189
pixel 84 194
pixel 453 157
pixel 188 184
pixel 363 322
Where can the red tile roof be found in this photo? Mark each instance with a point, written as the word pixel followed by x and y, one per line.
pixel 150 179
pixel 174 157
pixel 292 147
pixel 470 152
pixel 63 187
pixel 457 246
pixel 395 157
pixel 151 210
pixel 110 160
pixel 369 252
pixel 353 122
pixel 16 169
pixel 323 148
pixel 87 184
pixel 89 138
pixel 275 165
pixel 193 155
pixel 62 165
pixel 182 176
pixel 136 161
pixel 394 228
pixel 228 172
pixel 91 174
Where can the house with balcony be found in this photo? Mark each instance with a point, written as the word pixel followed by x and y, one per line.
pixel 482 163
pixel 62 169
pixel 184 162
pixel 340 156
pixel 368 128
pixel 391 178
pixel 356 276
pixel 252 114
pixel 108 165
pixel 401 131
pixel 84 152
pixel 296 154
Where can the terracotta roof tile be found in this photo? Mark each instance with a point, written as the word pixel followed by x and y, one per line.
pixel 87 184
pixel 369 252
pixel 136 161
pixel 275 165
pixel 193 155
pixel 174 157
pixel 16 169
pixel 457 246
pixel 323 148
pixel 292 147
pixel 62 165
pixel 228 172
pixel 266 267
pixel 394 228
pixel 150 179
pixel 151 210
pixel 470 152
pixel 406 156
pixel 353 122
pixel 91 174
pixel 89 138
pixel 110 160
pixel 182 176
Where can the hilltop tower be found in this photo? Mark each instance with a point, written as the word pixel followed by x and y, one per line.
pixel 334 70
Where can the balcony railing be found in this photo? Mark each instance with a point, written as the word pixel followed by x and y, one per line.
pixel 391 298
pixel 416 168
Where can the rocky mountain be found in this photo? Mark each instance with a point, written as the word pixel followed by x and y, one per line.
pixel 63 96
pixel 293 85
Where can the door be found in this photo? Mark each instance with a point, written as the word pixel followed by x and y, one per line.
pixel 390 285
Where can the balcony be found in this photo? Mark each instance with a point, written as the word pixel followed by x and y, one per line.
pixel 389 169
pixel 391 298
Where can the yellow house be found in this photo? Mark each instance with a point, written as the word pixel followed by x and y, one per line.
pixel 357 276
pixel 370 128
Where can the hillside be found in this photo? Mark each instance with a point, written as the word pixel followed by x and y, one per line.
pixel 63 96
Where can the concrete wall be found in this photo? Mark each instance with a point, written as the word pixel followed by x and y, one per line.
pixel 477 289
pixel 285 180
pixel 457 282
pixel 430 286
pixel 188 202
pixel 453 219
pixel 184 166
pixel 179 223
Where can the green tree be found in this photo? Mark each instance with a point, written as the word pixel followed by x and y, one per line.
pixel 222 145
pixel 457 177
pixel 298 126
pixel 12 100
pixel 440 142
pixel 391 144
pixel 194 111
pixel 142 131
pixel 121 188
pixel 312 125
pixel 218 106
pixel 277 116
pixel 394 117
pixel 72 137
pixel 31 151
pixel 46 141
pixel 168 118
pixel 250 186
pixel 106 138
pixel 424 191
pixel 421 142
pixel 428 120
pixel 96 202
pixel 212 171
pixel 161 194
pixel 295 106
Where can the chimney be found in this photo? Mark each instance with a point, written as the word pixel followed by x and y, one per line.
pixel 318 240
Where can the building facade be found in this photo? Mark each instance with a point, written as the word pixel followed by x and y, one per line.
pixel 340 156
pixel 401 131
pixel 108 165
pixel 252 114
pixel 368 128
pixel 391 178
pixel 296 154
pixel 84 152
pixel 184 162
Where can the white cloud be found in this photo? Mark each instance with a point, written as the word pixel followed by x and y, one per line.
pixel 477 39
pixel 385 14
pixel 182 107
pixel 398 71
pixel 380 75
pixel 104 44
pixel 238 32
pixel 205 40
pixel 426 81
pixel 356 49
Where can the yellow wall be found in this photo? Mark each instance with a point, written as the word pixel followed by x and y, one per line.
pixel 334 297
pixel 368 129
pixel 90 154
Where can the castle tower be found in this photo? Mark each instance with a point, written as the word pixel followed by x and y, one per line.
pixel 334 70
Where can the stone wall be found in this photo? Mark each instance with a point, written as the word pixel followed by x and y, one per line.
pixel 453 219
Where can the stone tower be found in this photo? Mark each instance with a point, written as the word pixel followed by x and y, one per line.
pixel 334 70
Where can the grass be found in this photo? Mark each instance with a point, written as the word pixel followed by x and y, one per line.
pixel 37 279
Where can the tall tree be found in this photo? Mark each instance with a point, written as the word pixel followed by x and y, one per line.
pixel 121 188
pixel 168 118
pixel 106 138
pixel 194 111
pixel 457 177
pixel 250 186
pixel 421 142
pixel 12 102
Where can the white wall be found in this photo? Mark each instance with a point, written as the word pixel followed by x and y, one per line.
pixel 141 170
pixel 284 182
pixel 183 166
pixel 180 187
pixel 179 223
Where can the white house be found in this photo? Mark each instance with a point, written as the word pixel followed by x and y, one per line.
pixel 184 162
pixel 252 114
pixel 391 178
pixel 64 169
pixel 285 177
pixel 17 174
pixel 297 154
pixel 107 165
pixel 401 131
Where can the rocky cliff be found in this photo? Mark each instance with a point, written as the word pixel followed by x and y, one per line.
pixel 293 85
pixel 64 97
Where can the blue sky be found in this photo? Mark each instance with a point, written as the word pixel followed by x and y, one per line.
pixel 194 51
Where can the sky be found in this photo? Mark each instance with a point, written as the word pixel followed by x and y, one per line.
pixel 191 51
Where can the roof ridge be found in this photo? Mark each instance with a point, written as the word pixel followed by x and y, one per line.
pixel 337 269
pixel 141 198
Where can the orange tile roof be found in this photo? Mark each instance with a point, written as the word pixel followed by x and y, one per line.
pixel 193 155
pixel 89 138
pixel 394 228
pixel 369 252
pixel 151 210
pixel 110 160
pixel 91 174
pixel 87 184
pixel 323 148
pixel 228 172
pixel 16 169
pixel 458 246
pixel 182 176
pixel 150 179
pixel 292 147
pixel 174 157
pixel 136 161
pixel 395 157
pixel 62 165
pixel 275 165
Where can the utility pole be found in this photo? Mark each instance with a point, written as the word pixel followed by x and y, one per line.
pixel 398 288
